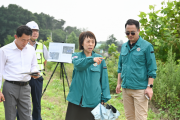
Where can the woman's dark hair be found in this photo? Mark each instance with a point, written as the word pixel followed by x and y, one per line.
pixel 132 22
pixel 84 35
pixel 23 29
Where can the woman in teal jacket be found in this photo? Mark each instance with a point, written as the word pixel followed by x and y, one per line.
pixel 90 85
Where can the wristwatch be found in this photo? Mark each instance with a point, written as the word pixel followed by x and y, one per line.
pixel 150 85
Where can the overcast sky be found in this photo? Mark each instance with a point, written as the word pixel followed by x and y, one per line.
pixel 102 17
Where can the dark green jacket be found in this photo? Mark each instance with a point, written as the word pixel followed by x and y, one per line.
pixel 89 81
pixel 137 64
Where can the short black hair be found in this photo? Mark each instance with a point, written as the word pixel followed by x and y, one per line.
pixel 132 22
pixel 23 29
pixel 84 35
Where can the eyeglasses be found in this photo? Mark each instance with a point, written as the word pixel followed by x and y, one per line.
pixel 128 33
pixel 34 30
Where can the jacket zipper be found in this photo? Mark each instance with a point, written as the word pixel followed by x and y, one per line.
pixel 81 101
pixel 82 94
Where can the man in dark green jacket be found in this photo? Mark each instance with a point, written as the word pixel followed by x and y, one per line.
pixel 136 73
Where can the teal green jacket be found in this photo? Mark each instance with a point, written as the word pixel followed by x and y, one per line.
pixel 89 81
pixel 136 65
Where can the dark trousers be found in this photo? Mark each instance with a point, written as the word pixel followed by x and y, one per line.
pixel 76 112
pixel 36 91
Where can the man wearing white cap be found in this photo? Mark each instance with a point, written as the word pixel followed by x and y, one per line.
pixel 37 84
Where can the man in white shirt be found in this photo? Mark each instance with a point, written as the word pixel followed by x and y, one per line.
pixel 16 58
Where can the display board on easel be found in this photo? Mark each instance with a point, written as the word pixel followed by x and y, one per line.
pixel 61 52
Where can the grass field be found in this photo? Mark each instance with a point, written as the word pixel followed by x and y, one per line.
pixel 54 105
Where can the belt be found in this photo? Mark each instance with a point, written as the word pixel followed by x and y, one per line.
pixel 18 83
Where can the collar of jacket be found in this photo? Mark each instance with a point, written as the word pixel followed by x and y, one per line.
pixel 138 43
pixel 85 55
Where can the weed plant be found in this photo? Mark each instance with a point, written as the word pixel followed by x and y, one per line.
pixel 68 67
pixel 112 64
pixel 167 87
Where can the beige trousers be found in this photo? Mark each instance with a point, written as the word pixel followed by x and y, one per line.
pixel 135 104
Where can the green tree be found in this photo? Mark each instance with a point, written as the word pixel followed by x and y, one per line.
pixel 44 34
pixel 46 43
pixel 58 35
pixel 103 46
pixel 162 29
pixel 111 40
pixel 70 29
pixel 112 51
pixel 8 39
pixel 59 24
pixel 73 39
pixel 13 16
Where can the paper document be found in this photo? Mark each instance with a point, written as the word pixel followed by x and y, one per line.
pixel 61 52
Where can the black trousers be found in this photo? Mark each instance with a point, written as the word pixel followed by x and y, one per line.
pixel 76 112
pixel 36 91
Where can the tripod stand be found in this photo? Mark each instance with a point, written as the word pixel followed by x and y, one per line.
pixel 62 72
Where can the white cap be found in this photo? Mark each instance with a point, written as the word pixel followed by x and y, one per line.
pixel 33 25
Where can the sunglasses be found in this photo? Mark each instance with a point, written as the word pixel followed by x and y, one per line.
pixel 128 33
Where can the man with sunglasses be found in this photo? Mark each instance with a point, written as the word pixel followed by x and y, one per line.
pixel 136 73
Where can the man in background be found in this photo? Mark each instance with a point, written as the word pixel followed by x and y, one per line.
pixel 37 84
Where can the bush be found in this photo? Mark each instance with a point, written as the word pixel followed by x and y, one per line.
pixel 167 86
pixel 112 64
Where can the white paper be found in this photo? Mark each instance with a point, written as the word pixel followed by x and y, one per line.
pixel 61 52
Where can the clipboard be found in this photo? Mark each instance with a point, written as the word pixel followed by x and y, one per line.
pixel 31 73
